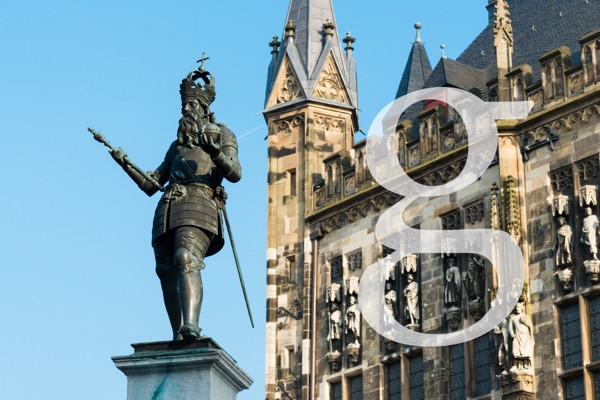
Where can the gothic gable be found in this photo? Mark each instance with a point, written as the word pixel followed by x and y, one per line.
pixel 329 83
pixel 287 86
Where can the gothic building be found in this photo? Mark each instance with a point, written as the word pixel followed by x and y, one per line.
pixel 541 188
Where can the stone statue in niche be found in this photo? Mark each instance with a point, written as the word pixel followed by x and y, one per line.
pixel 390 298
pixel 411 296
pixel 590 232
pixel 564 243
pixel 453 286
pixel 353 320
pixel 502 346
pixel 475 279
pixel 520 329
pixel 334 337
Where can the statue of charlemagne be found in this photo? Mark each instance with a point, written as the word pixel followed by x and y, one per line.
pixel 187 224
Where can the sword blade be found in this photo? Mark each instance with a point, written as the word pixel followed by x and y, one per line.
pixel 237 263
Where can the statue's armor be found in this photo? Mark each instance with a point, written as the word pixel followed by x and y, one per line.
pixel 189 197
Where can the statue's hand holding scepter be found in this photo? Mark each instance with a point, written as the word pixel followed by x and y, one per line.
pixel 121 158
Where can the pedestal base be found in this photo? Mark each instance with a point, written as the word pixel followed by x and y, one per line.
pixel 183 370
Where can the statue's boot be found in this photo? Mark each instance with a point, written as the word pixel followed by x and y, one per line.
pixel 190 292
pixel 170 288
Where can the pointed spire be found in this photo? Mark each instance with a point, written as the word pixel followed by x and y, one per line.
pixel 311 43
pixel 418 67
pixel 503 41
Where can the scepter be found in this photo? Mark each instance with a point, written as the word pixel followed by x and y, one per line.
pixel 100 138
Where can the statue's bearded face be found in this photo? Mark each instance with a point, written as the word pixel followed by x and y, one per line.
pixel 190 122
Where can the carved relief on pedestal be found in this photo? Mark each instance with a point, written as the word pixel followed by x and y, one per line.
pixel 353 320
pixel 329 85
pixel 335 321
pixel 520 329
pixel 411 292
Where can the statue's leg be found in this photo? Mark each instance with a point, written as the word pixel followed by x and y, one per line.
pixel 190 247
pixel 169 281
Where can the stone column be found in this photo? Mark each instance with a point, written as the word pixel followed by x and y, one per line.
pixel 182 370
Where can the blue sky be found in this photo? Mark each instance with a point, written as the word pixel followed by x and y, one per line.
pixel 78 283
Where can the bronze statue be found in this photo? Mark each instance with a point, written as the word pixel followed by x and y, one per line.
pixel 187 225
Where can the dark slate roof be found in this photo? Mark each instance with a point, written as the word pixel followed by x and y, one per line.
pixel 538 27
pixel 417 70
pixel 456 74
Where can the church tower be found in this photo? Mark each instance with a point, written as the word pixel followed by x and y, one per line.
pixel 311 113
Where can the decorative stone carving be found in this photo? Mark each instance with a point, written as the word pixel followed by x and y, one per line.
pixel 474 213
pixel 564 243
pixel 443 175
pixel 288 125
pixel 414 155
pixel 335 321
pixel 503 32
pixel 389 269
pixel 390 299
pixel 512 216
pixel 565 279
pixel 494 210
pixel 411 302
pixel 588 168
pixel 590 231
pixel 475 279
pixel 453 316
pixel 349 185
pixel 576 83
pixel 562 179
pixel 587 196
pixel 560 205
pixel 452 221
pixel 329 124
pixel 329 85
pixel 520 329
pixel 337 269
pixel 355 261
pixel 502 348
pixel 592 269
pixel 290 88
pixel 353 321
pixel 319 198
pixel 409 264
pixel 452 284
pixel 352 286
pixel 476 309
pixel 538 100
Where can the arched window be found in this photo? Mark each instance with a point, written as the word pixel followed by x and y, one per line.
pixel 337 188
pixel 547 81
pixel 588 65
pixel 360 167
pixel 329 180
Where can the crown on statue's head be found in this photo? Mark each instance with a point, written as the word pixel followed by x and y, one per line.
pixel 192 86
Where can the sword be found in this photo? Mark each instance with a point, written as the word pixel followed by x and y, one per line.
pixel 222 196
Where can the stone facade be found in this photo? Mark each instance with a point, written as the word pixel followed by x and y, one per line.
pixel 324 203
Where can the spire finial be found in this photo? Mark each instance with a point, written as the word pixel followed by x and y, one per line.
pixel 328 27
pixel 275 45
pixel 290 29
pixel 349 40
pixel 418 26
pixel 443 47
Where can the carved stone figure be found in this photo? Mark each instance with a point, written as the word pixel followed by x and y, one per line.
pixel 564 242
pixel 475 279
pixel 452 287
pixel 502 345
pixel 353 321
pixel 390 304
pixel 335 328
pixel 520 329
pixel 187 226
pixel 411 295
pixel 590 229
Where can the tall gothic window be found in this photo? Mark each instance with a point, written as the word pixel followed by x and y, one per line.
pixel 588 64
pixel 360 167
pixel 417 391
pixel 457 372
pixel 552 78
pixel 336 391
pixel 329 180
pixel 394 381
pixel 518 87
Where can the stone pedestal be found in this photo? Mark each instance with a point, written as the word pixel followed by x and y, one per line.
pixel 182 370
